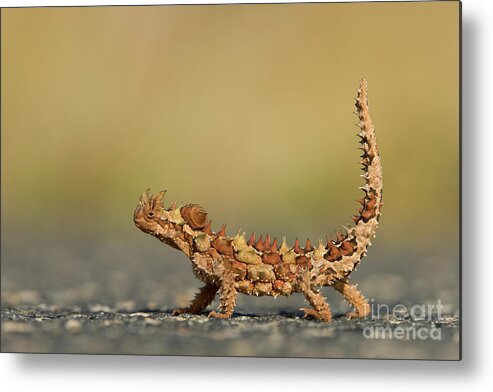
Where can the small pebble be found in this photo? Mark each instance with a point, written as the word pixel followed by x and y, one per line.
pixel 99 308
pixel 150 321
pixel 139 314
pixel 73 326
pixel 15 327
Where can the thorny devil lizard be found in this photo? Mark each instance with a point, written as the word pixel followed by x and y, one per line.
pixel 232 265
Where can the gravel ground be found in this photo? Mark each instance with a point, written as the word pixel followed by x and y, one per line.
pixel 151 332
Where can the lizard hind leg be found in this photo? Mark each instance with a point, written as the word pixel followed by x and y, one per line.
pixel 201 300
pixel 355 299
pixel 320 309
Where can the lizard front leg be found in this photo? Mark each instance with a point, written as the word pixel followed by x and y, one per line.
pixel 201 300
pixel 320 308
pixel 228 294
pixel 354 297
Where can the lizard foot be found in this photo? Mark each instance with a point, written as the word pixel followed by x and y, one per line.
pixel 215 314
pixel 178 311
pixel 311 313
pixel 354 315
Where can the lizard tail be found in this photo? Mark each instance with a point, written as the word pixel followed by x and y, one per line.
pixel 346 251
pixel 370 159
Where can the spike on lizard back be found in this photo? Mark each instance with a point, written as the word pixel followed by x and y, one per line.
pixel 232 265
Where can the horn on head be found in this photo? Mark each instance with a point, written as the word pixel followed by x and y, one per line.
pixel 144 198
pixel 158 198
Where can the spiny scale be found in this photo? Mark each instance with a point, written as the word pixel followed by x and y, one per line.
pixel 208 228
pixel 222 232
pixel 308 246
pixel 297 248
pixel 260 244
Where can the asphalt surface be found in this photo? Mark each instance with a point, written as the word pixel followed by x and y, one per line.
pixel 151 332
pixel 116 297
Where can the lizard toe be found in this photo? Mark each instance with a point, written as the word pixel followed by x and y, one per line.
pixel 178 311
pixel 215 314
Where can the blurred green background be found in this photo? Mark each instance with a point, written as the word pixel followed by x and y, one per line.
pixel 245 109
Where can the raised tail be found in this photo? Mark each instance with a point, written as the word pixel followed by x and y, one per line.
pixel 348 249
pixel 370 159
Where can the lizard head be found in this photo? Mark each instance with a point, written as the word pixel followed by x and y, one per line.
pixel 150 215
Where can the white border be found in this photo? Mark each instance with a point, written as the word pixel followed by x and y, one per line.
pixel 94 373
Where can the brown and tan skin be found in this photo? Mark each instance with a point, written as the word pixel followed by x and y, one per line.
pixel 257 266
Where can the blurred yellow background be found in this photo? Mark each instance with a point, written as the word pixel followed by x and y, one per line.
pixel 245 109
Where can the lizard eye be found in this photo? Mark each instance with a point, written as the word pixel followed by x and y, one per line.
pixel 151 214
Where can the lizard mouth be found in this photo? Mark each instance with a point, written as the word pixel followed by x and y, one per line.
pixel 140 221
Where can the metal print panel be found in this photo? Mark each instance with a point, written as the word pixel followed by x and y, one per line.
pixel 329 131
